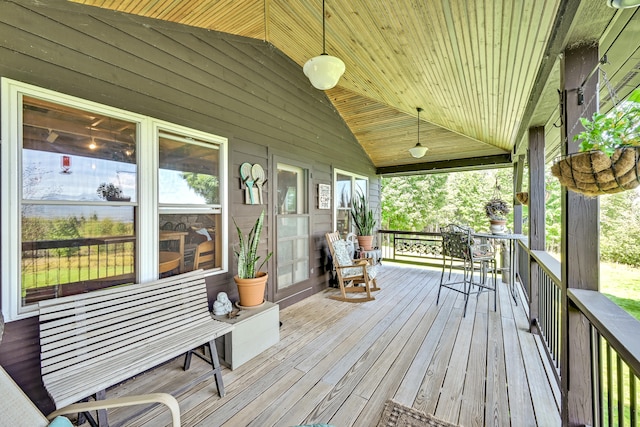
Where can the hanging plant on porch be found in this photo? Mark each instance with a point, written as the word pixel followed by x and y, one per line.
pixel 609 157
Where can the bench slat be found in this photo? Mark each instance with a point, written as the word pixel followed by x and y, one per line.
pixel 98 377
pixel 95 340
pixel 81 334
pixel 108 348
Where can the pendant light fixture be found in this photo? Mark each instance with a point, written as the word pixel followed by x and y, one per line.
pixel 419 150
pixel 325 70
pixel 623 4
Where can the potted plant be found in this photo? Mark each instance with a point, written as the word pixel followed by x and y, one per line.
pixel 608 153
pixel 250 280
pixel 497 210
pixel 111 193
pixel 364 221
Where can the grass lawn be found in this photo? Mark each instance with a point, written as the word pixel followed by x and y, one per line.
pixel 621 284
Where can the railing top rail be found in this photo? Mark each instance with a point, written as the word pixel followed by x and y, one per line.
pixel 549 264
pixel 419 233
pixel 617 326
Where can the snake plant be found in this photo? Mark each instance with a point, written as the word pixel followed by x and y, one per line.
pixel 248 249
pixel 362 216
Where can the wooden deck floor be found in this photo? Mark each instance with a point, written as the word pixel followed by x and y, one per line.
pixel 339 362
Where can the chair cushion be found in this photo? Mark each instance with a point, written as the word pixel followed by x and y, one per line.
pixel 342 255
pixel 60 421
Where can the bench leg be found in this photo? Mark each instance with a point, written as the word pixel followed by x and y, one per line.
pixel 101 413
pixel 213 360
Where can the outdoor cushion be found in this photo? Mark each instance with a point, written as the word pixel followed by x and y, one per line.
pixel 60 421
pixel 343 259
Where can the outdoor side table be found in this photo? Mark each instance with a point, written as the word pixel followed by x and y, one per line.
pixel 255 330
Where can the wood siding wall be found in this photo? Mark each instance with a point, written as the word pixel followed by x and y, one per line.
pixel 242 89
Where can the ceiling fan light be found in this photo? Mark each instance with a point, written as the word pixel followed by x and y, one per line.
pixel 418 151
pixel 324 71
pixel 623 4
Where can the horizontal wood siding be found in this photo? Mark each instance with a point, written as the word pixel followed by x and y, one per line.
pixel 239 88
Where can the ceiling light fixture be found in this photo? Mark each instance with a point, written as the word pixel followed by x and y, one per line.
pixel 419 150
pixel 325 70
pixel 623 4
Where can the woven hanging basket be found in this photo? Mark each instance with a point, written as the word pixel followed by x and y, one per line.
pixel 593 173
pixel 523 198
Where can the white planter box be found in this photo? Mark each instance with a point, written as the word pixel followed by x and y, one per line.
pixel 254 331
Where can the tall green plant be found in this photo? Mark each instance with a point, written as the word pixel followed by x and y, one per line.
pixel 362 216
pixel 247 252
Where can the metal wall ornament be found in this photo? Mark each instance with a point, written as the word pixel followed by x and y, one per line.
pixel 252 179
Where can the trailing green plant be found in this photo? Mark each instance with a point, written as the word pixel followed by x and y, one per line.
pixel 363 217
pixel 247 252
pixel 618 128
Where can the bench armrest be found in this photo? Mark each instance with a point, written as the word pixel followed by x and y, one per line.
pixel 142 399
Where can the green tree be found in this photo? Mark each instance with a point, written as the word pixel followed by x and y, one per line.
pixel 205 185
pixel 620 228
pixel 413 203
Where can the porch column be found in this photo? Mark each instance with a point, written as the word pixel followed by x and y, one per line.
pixel 536 215
pixel 580 242
pixel 518 168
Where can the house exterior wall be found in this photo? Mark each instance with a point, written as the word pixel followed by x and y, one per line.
pixel 242 89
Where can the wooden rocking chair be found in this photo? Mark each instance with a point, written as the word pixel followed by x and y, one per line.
pixel 350 272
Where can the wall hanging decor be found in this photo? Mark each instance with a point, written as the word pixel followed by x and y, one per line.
pixel 252 179
pixel 324 196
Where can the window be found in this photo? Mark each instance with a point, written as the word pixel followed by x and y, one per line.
pixel 346 186
pixel 85 192
pixel 189 203
pixel 292 226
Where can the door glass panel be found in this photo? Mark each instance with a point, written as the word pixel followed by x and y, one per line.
pixel 292 226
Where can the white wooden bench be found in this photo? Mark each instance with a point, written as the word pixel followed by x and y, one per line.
pixel 98 339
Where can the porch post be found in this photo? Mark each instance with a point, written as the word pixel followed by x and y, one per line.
pixel 536 215
pixel 518 168
pixel 580 242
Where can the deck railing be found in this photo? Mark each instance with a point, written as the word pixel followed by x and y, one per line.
pixel 411 247
pixel 614 349
pixel 53 268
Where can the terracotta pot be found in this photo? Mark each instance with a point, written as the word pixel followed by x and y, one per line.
pixel 365 242
pixel 251 291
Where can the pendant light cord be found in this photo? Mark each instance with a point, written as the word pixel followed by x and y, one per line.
pixel 324 50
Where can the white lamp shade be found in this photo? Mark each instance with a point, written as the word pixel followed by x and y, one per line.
pixel 324 71
pixel 623 4
pixel 418 151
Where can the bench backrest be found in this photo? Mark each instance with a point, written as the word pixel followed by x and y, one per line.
pixel 81 330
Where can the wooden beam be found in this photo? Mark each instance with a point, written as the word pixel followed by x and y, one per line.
pixel 580 243
pixel 457 165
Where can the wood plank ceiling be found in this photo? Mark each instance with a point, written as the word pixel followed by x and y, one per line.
pixel 473 66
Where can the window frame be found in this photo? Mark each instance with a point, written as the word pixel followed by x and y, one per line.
pixel 354 177
pixel 147 215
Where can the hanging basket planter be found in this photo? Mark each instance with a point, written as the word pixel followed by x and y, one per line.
pixel 523 198
pixel 594 173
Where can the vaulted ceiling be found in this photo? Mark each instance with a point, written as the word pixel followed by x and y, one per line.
pixel 483 71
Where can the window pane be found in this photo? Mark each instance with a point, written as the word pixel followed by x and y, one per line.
pixel 291 190
pixel 293 250
pixel 343 191
pixel 189 171
pixel 74 155
pixel 190 238
pixel 188 183
pixel 78 167
pixel 73 249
